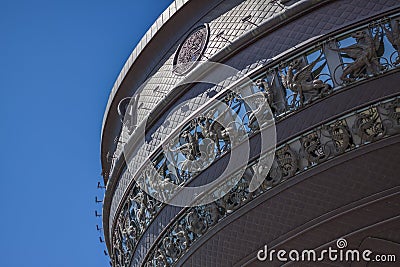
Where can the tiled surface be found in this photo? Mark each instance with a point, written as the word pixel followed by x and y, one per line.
pixel 166 15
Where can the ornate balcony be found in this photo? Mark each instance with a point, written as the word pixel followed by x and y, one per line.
pixel 288 84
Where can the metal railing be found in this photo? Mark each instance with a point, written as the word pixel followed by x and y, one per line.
pixel 286 85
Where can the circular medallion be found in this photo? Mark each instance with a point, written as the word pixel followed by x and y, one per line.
pixel 190 50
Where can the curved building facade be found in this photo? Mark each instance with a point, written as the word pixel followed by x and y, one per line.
pixel 323 74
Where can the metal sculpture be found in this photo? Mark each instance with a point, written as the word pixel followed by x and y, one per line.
pixel 287 161
pixel 390 113
pixel 368 126
pixel 365 54
pixel 301 80
pixel 312 148
pixel 339 135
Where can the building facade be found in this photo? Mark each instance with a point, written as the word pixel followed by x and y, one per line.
pixel 323 74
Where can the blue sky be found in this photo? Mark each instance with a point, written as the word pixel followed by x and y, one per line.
pixel 58 62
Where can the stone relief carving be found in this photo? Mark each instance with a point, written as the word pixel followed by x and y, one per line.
pixel 191 50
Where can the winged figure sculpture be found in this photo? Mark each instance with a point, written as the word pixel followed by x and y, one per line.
pixel 365 54
pixel 300 80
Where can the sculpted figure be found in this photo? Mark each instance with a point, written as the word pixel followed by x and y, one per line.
pixel 391 116
pixel 365 54
pixel 182 237
pixel 213 129
pixel 213 213
pixel 160 260
pixel 299 80
pixel 171 250
pixel 262 84
pixel 368 127
pixel 190 149
pixel 264 104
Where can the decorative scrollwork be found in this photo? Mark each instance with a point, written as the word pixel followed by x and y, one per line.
pixel 390 113
pixel 213 130
pixel 368 126
pixel 160 259
pixel 182 238
pixel 191 50
pixel 197 221
pixel 261 116
pixel 393 36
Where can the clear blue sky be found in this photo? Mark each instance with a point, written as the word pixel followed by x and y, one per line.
pixel 58 62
